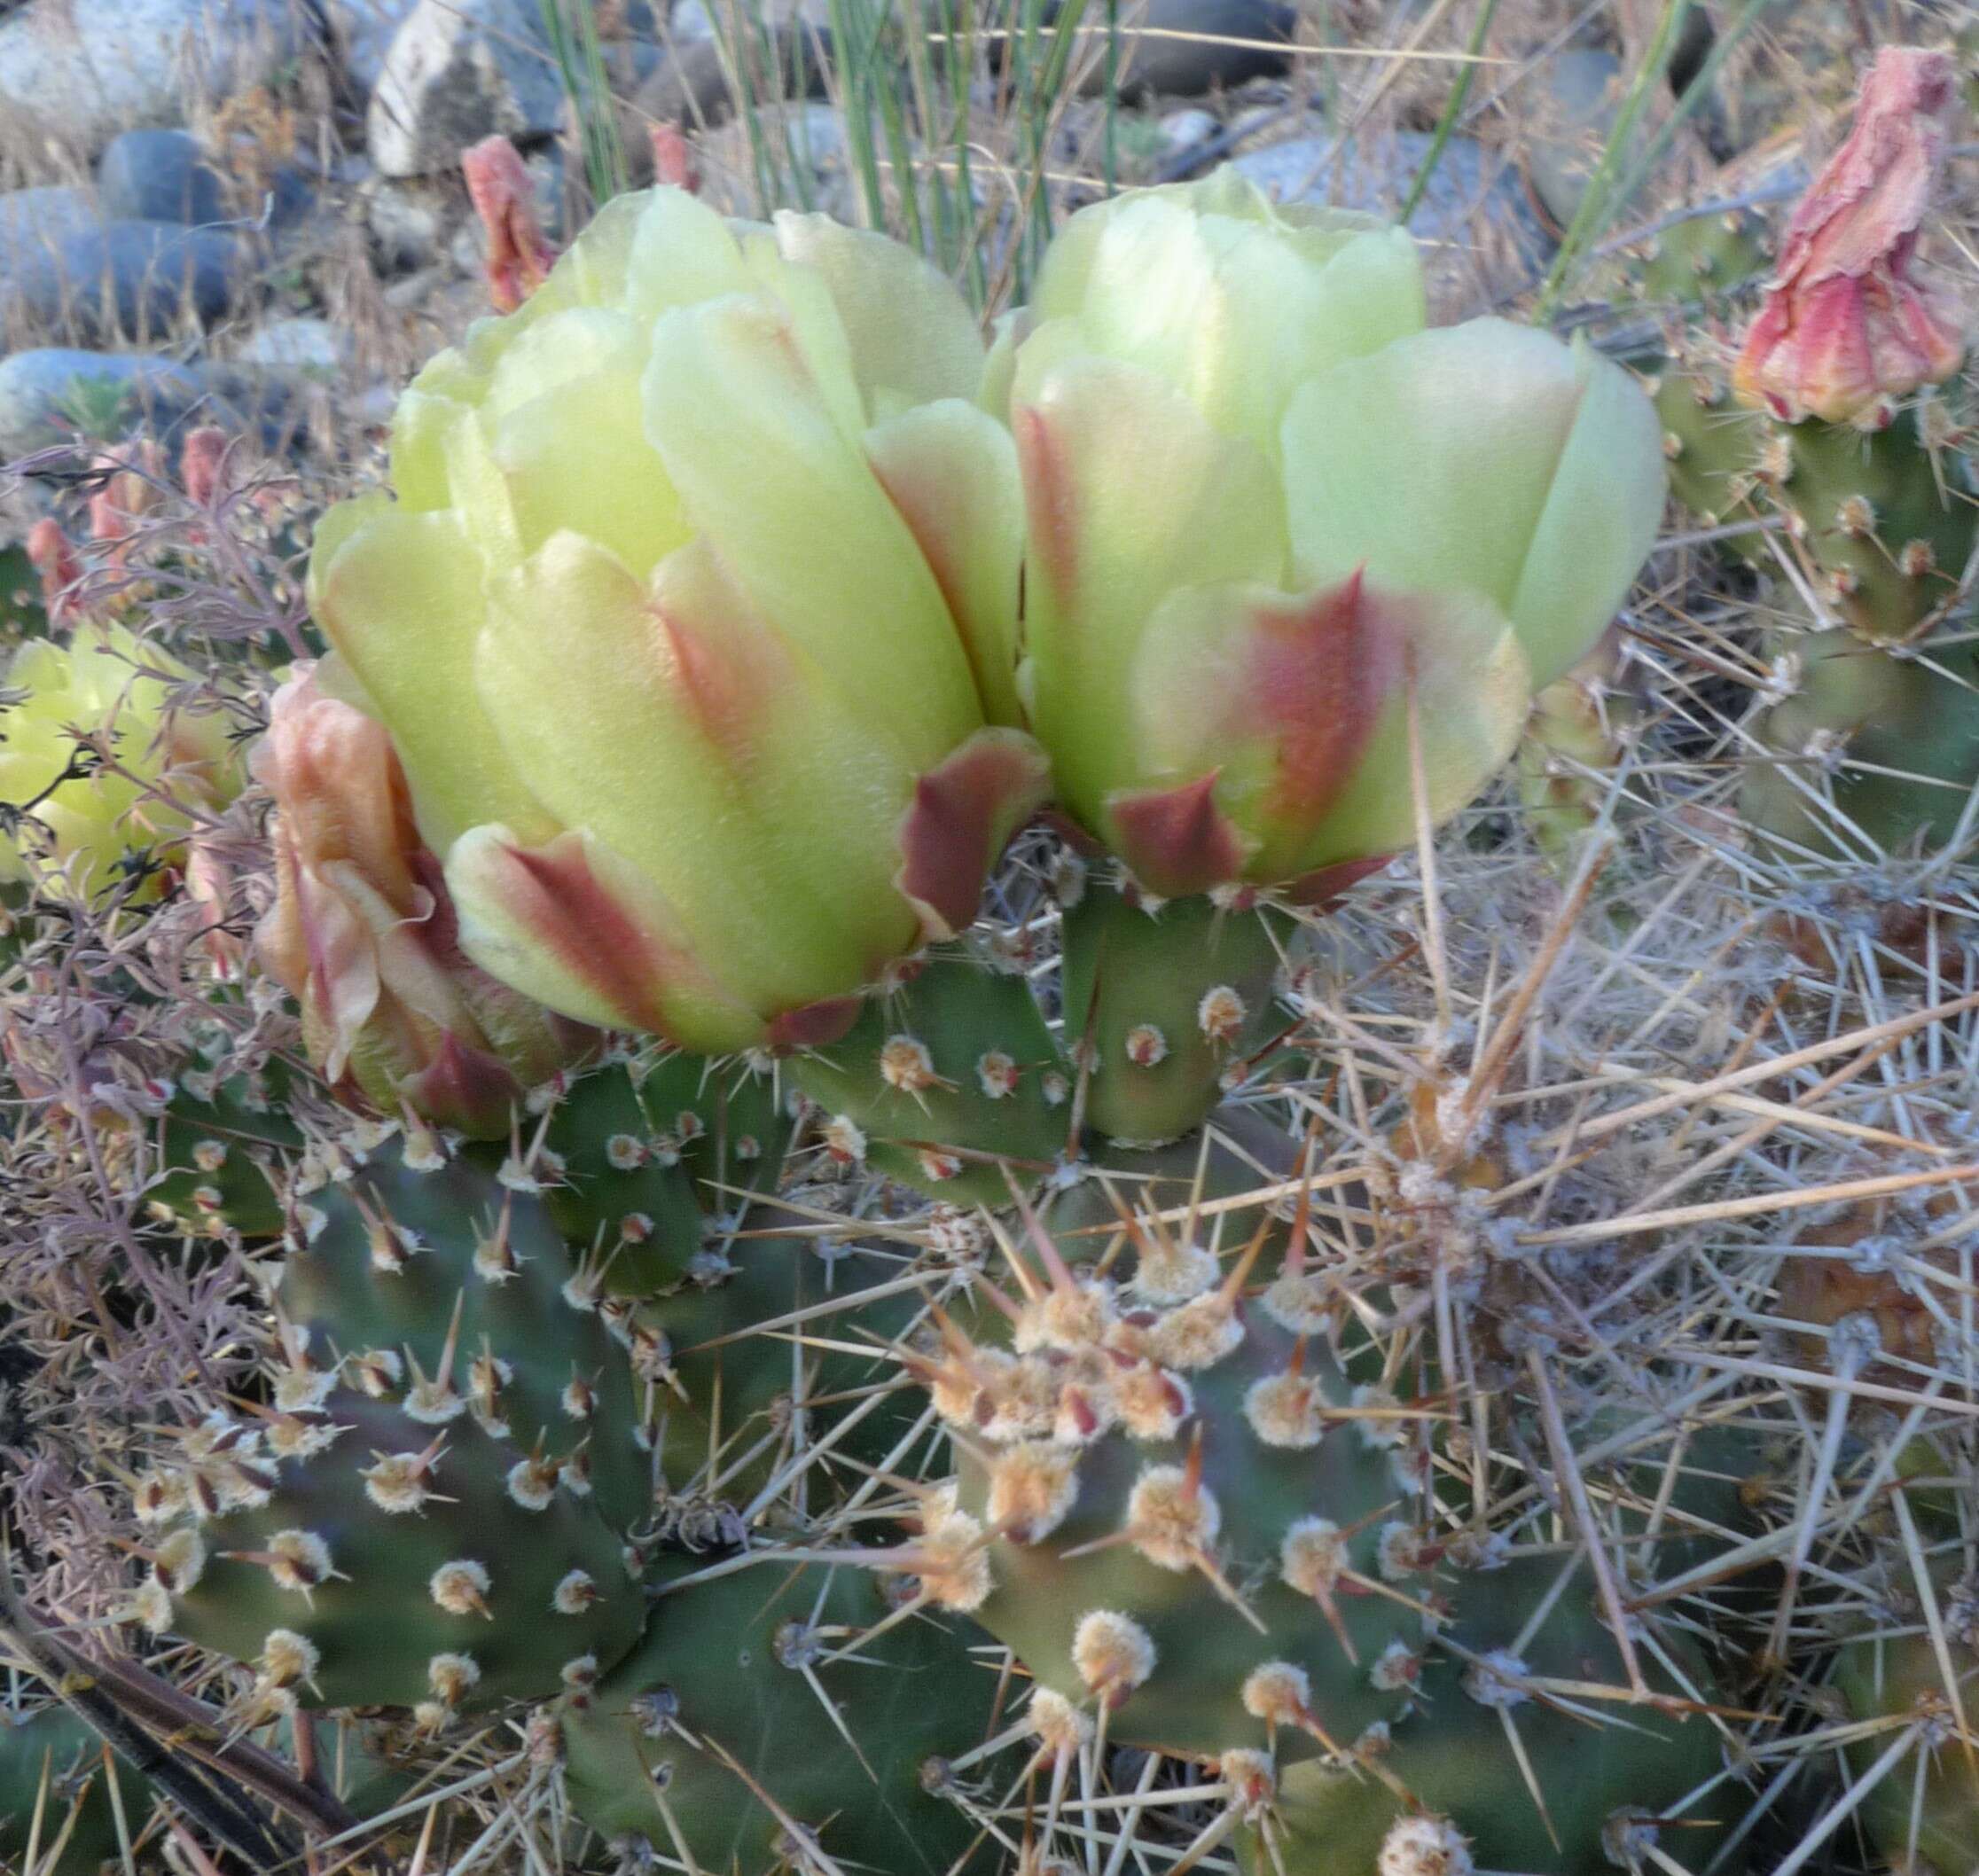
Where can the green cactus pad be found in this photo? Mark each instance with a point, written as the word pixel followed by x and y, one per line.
pixel 1702 260
pixel 1891 741
pixel 1238 1506
pixel 946 1078
pixel 1711 444
pixel 50 1759
pixel 1162 1001
pixel 357 1556
pixel 730 1123
pixel 1217 1185
pixel 615 1185
pixel 1889 517
pixel 1612 1775
pixel 222 1148
pixel 1924 1814
pixel 713 1728
pixel 738 1352
pixel 399 1255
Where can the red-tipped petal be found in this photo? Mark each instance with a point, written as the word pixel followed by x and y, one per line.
pixel 202 460
pixel 567 926
pixel 55 562
pixel 1177 840
pixel 962 816
pixel 1321 890
pixel 673 159
pixel 465 1088
pixel 815 1026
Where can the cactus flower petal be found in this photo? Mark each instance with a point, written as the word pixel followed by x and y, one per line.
pixel 1177 841
pixel 1265 508
pixel 952 472
pixel 573 927
pixel 362 933
pixel 913 341
pixel 1846 323
pixel 1299 706
pixel 1484 457
pixel 741 409
pixel 963 813
pixel 1117 521
pixel 83 819
pixel 400 595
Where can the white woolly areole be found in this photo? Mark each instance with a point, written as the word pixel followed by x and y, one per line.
pixel 1424 1846
pixel 1113 1653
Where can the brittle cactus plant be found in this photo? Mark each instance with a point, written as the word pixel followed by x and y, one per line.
pixel 732 609
pixel 1841 415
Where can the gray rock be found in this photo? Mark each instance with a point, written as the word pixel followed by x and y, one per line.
pixel 362 32
pixel 134 279
pixel 45 217
pixel 160 175
pixel 1225 42
pixel 49 392
pixel 457 71
pixel 1580 97
pixel 313 347
pixel 1472 196
pixel 77 72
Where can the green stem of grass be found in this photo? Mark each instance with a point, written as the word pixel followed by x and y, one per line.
pixel 1452 111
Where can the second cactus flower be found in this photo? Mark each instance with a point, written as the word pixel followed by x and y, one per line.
pixel 1273 518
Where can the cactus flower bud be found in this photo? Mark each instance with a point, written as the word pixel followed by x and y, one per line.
pixel 102 766
pixel 519 255
pixel 1845 323
pixel 363 933
pixel 1268 509
pixel 693 624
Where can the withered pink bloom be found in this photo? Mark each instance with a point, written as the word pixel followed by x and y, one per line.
pixel 202 460
pixel 673 160
pixel 1845 323
pixel 57 566
pixel 519 255
pixel 363 935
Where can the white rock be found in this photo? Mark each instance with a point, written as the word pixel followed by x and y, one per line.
pixel 1188 129
pixel 457 71
pixel 299 345
pixel 73 72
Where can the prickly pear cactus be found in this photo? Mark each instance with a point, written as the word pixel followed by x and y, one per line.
pixel 950 1080
pixel 1166 999
pixel 416 1275
pixel 1886 515
pixel 1874 751
pixel 355 1552
pixel 55 1778
pixel 1502 1763
pixel 1922 1812
pixel 766 1722
pixel 223 1149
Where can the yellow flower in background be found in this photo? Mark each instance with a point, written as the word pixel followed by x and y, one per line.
pixel 102 765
